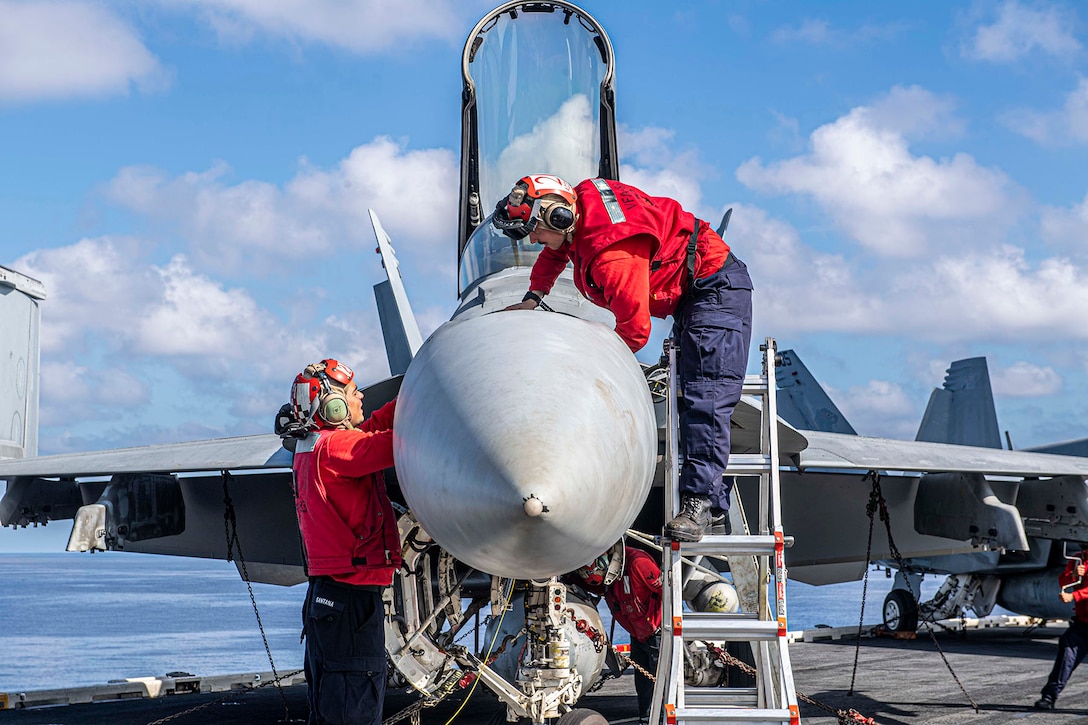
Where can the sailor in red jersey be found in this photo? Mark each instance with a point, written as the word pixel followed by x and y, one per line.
pixel 1073 644
pixel 641 256
pixel 350 541
pixel 630 581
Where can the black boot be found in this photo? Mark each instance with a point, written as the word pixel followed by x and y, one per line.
pixel 719 522
pixel 691 522
pixel 1044 703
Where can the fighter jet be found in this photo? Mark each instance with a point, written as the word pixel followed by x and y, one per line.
pixel 527 442
pixel 1029 526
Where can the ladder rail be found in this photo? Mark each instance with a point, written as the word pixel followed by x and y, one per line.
pixel 755 555
pixel 667 686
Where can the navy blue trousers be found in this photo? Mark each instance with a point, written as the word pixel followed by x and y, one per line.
pixel 712 328
pixel 1072 647
pixel 645 654
pixel 345 660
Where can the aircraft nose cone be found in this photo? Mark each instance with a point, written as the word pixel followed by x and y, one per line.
pixel 525 442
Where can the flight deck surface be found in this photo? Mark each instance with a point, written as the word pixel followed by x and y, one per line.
pixel 902 682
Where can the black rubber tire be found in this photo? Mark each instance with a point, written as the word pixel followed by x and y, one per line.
pixel 900 611
pixel 582 716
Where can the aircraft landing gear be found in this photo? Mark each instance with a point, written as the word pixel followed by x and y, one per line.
pixel 900 611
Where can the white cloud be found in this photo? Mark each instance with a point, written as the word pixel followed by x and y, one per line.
pixel 565 139
pixel 861 171
pixel 645 146
pixel 71 392
pixel 87 283
pixel 192 315
pixel 1068 125
pixel 651 164
pixel 880 396
pixel 1026 380
pixel 1019 30
pixel 954 298
pixel 787 132
pixel 414 191
pixel 1067 228
pixel 62 49
pixel 671 181
pixel 933 372
pixel 257 226
pixel 108 303
pixel 914 112
pixel 799 289
pixel 993 295
pixel 359 26
pixel 880 408
pixel 815 31
pixel 976 290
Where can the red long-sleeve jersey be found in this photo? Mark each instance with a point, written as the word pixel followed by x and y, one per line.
pixel 630 255
pixel 635 597
pixel 1080 594
pixel 346 519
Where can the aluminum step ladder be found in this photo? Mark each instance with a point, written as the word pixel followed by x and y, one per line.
pixel 762 617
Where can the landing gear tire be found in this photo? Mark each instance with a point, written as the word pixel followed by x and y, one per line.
pixel 582 716
pixel 900 611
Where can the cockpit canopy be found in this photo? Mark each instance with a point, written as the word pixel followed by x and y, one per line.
pixel 538 98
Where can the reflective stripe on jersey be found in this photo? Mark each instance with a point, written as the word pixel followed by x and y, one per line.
pixel 610 204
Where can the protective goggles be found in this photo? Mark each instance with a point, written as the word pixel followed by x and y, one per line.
pixel 518 224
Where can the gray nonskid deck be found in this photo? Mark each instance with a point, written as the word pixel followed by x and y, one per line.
pixel 907 681
pixel 615 700
pixel 898 682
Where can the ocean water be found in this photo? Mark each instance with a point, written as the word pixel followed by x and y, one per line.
pixel 84 619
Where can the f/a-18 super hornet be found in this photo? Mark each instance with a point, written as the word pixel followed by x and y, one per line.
pixel 527 442
pixel 1025 529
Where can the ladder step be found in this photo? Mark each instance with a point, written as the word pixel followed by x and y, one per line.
pixel 722 545
pixel 755 716
pixel 754 385
pixel 745 627
pixel 721 697
pixel 747 464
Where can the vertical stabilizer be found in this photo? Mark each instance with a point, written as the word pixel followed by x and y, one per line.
pixel 962 412
pixel 802 401
pixel 399 328
pixel 20 317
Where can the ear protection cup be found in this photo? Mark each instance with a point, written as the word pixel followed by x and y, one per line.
pixel 334 409
pixel 558 216
pixel 319 395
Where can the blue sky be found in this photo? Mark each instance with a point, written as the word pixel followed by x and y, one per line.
pixel 191 179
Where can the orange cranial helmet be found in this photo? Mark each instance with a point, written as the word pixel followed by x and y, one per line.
pixel 536 198
pixel 318 395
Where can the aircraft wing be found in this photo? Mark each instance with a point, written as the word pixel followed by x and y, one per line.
pixel 862 453
pixel 239 453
